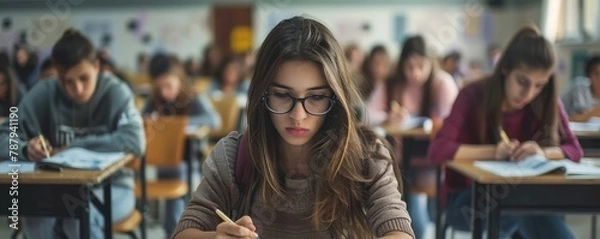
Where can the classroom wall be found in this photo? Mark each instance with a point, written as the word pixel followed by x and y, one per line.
pixel 465 25
pixel 469 26
pixel 183 31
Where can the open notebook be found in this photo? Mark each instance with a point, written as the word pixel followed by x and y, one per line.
pixel 73 158
pixel 538 165
pixel 591 125
pixel 79 158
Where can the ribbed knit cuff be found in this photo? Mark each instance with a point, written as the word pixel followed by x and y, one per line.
pixel 398 224
pixel 185 224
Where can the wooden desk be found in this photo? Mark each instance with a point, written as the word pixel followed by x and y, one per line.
pixel 590 142
pixel 66 194
pixel 198 133
pixel 587 134
pixel 408 141
pixel 547 193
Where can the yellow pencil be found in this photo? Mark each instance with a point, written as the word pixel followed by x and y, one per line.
pixel 503 135
pixel 395 106
pixel 44 145
pixel 223 216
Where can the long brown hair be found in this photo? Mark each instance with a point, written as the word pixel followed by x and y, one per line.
pixel 339 150
pixel 413 46
pixel 528 49
pixel 368 82
pixel 161 64
pixel 11 90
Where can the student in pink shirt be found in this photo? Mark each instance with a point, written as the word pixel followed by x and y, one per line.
pixel 376 71
pixel 522 98
pixel 420 88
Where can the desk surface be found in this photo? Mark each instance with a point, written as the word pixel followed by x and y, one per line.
pixel 415 132
pixel 481 176
pixel 587 134
pixel 197 133
pixel 68 176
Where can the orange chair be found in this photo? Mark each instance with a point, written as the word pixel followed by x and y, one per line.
pixel 165 142
pixel 228 108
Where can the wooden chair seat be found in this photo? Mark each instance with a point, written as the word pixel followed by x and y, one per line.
pixel 128 224
pixel 163 189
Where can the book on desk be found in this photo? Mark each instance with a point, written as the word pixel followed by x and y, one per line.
pixel 538 165
pixel 72 158
pixel 593 124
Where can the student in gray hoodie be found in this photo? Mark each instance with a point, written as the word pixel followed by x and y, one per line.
pixel 84 108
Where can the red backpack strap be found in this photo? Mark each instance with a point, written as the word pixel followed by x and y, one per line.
pixel 243 163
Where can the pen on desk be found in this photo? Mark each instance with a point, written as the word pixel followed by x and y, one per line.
pixel 503 135
pixel 44 145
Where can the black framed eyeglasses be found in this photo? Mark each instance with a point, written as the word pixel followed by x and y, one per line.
pixel 312 104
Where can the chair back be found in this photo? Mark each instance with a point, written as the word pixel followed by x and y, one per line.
pixel 165 140
pixel 228 108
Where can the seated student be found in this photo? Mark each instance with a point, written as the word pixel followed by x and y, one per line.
pixel 211 58
pixel 83 108
pixel 420 88
pixel 312 172
pixel 172 96
pixel 47 70
pixel 25 66
pixel 521 98
pixel 229 79
pixel 10 95
pixel 355 58
pixel 582 101
pixel 376 70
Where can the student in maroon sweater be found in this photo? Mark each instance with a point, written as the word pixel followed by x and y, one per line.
pixel 521 97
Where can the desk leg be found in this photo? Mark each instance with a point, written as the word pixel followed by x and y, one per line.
pixel 594 218
pixel 84 213
pixel 493 216
pixel 406 144
pixel 107 210
pixel 190 150
pixel 478 209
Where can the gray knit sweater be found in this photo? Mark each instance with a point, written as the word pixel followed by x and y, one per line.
pixel 385 211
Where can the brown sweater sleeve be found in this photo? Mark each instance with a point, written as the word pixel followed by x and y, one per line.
pixel 217 188
pixel 386 212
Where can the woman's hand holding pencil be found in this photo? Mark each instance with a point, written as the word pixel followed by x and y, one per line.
pixel 242 228
pixel 506 147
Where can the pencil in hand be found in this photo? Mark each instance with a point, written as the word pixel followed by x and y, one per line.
pixel 45 146
pixel 503 135
pixel 225 217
